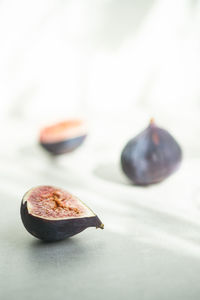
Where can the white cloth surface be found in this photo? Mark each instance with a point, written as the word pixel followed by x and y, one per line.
pixel 115 63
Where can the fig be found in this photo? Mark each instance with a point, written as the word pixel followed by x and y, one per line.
pixel 151 156
pixel 63 137
pixel 51 214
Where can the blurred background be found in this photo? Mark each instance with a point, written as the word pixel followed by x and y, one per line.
pixel 115 63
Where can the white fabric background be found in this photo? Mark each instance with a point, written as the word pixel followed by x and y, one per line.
pixel 120 61
pixel 117 64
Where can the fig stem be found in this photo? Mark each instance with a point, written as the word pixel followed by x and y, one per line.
pixel 101 226
pixel 152 121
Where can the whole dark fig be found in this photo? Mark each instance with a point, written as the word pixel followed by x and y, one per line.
pixel 52 214
pixel 151 156
pixel 63 137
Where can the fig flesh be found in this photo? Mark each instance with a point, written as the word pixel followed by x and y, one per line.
pixel 151 156
pixel 51 214
pixel 63 137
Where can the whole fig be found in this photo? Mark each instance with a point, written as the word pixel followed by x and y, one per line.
pixel 151 156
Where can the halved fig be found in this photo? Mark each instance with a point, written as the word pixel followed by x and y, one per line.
pixel 51 214
pixel 63 137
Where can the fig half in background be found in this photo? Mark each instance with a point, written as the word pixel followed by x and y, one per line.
pixel 51 214
pixel 151 156
pixel 63 137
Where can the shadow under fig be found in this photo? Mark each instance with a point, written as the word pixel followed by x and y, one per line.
pixel 69 253
pixel 111 172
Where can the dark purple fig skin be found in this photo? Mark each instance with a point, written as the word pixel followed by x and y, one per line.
pixel 65 146
pixel 55 230
pixel 151 156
